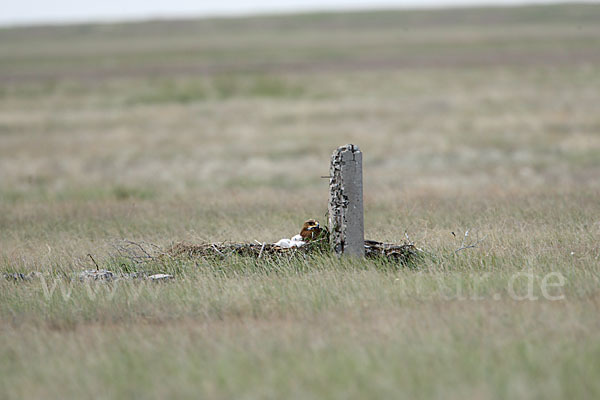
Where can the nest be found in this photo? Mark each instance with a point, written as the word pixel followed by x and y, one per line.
pixel 256 250
pixel 398 253
pixel 402 253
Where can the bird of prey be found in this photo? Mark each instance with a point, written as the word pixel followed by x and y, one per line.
pixel 310 230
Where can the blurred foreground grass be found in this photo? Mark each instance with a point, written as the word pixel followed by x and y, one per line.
pixel 214 130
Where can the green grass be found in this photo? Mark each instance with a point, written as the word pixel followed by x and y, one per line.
pixel 322 328
pixel 220 130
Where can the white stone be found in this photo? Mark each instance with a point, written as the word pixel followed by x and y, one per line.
pixel 160 277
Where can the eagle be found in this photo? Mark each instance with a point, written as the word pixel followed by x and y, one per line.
pixel 311 230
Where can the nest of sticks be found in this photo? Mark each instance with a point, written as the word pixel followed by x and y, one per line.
pixel 398 253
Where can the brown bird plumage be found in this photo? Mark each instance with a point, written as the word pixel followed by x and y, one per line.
pixel 311 230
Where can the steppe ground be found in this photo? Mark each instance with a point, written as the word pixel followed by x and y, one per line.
pixel 220 130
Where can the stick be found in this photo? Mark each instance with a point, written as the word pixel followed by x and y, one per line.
pixel 97 267
pixel 464 246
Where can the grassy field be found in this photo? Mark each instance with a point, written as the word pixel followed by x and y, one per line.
pixel 219 130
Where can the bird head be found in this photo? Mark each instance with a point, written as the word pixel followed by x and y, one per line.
pixel 311 224
pixel 310 230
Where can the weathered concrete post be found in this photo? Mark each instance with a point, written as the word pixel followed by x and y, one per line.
pixel 346 221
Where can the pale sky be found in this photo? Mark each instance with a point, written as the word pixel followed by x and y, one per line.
pixel 20 12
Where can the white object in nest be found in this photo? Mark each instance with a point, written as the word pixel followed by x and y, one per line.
pixel 295 241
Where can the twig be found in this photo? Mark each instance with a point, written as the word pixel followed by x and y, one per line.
pixel 217 250
pixel 465 238
pixel 95 263
pixel 464 244
pixel 137 253
pixel 408 239
pixel 140 247
pixel 125 252
pixel 158 249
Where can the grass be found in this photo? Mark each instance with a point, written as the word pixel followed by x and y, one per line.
pixel 219 130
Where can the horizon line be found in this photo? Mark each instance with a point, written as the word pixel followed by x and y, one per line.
pixel 275 12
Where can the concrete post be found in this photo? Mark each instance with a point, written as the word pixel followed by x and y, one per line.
pixel 346 220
